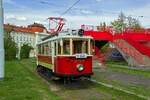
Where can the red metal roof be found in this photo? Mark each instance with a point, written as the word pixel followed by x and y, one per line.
pixel 30 29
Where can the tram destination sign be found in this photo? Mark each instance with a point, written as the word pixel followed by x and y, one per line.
pixel 81 55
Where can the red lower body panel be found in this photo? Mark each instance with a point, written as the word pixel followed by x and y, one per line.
pixel 67 66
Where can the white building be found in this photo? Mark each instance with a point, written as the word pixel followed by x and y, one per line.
pixel 23 38
pixel 30 35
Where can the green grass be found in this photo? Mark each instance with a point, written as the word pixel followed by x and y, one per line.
pixel 21 83
pixel 117 62
pixel 125 69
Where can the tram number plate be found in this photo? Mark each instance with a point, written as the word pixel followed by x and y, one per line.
pixel 82 55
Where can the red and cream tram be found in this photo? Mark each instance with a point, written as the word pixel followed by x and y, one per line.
pixel 66 56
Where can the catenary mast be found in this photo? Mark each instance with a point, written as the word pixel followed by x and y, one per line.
pixel 1 42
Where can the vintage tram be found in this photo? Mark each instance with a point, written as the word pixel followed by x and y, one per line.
pixel 66 56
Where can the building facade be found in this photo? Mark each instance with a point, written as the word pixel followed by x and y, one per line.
pixel 27 35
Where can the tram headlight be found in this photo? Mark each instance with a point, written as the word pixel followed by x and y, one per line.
pixel 80 67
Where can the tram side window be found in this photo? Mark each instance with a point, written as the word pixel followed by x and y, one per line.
pixel 50 49
pixel 92 47
pixel 85 47
pixel 42 51
pixel 66 47
pixel 59 48
pixel 39 49
pixel 46 49
pixel 80 46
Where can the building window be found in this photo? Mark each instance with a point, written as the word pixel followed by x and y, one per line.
pixel 24 38
pixel 17 39
pixel 20 38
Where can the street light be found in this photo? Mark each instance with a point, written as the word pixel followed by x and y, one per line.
pixel 1 42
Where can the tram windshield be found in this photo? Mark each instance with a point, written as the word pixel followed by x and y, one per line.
pixel 74 46
pixel 80 46
pixel 66 47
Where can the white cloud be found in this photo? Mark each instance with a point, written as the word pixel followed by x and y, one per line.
pixel 86 12
pixel 9 16
pixel 38 21
pixel 21 18
pixel 13 17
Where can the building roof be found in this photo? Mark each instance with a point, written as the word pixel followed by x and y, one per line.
pixel 29 29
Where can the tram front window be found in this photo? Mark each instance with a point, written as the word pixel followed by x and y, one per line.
pixel 80 46
pixel 66 47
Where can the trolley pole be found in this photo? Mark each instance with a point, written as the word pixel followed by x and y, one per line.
pixel 1 42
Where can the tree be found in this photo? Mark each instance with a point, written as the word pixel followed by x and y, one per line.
pixel 125 22
pixel 119 25
pixel 134 23
pixel 102 27
pixel 9 46
pixel 25 51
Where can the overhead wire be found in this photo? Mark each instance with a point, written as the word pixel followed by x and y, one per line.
pixel 70 7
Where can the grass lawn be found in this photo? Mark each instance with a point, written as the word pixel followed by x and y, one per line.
pixel 21 83
pixel 123 67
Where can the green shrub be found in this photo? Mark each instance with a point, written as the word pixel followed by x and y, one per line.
pixel 10 47
pixel 104 48
pixel 25 51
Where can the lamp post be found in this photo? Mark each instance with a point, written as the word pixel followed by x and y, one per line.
pixel 1 42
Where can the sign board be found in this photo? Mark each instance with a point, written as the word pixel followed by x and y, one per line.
pixel 81 55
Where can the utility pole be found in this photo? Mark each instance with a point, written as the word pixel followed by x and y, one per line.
pixel 1 42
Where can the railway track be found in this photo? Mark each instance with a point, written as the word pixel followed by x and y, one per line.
pixel 48 78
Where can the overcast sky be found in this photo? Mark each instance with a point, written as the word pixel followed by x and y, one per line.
pixel 91 12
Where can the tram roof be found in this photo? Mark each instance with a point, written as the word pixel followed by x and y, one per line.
pixel 66 37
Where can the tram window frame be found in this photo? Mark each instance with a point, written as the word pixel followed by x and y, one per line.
pixel 46 49
pixel 42 47
pixel 50 49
